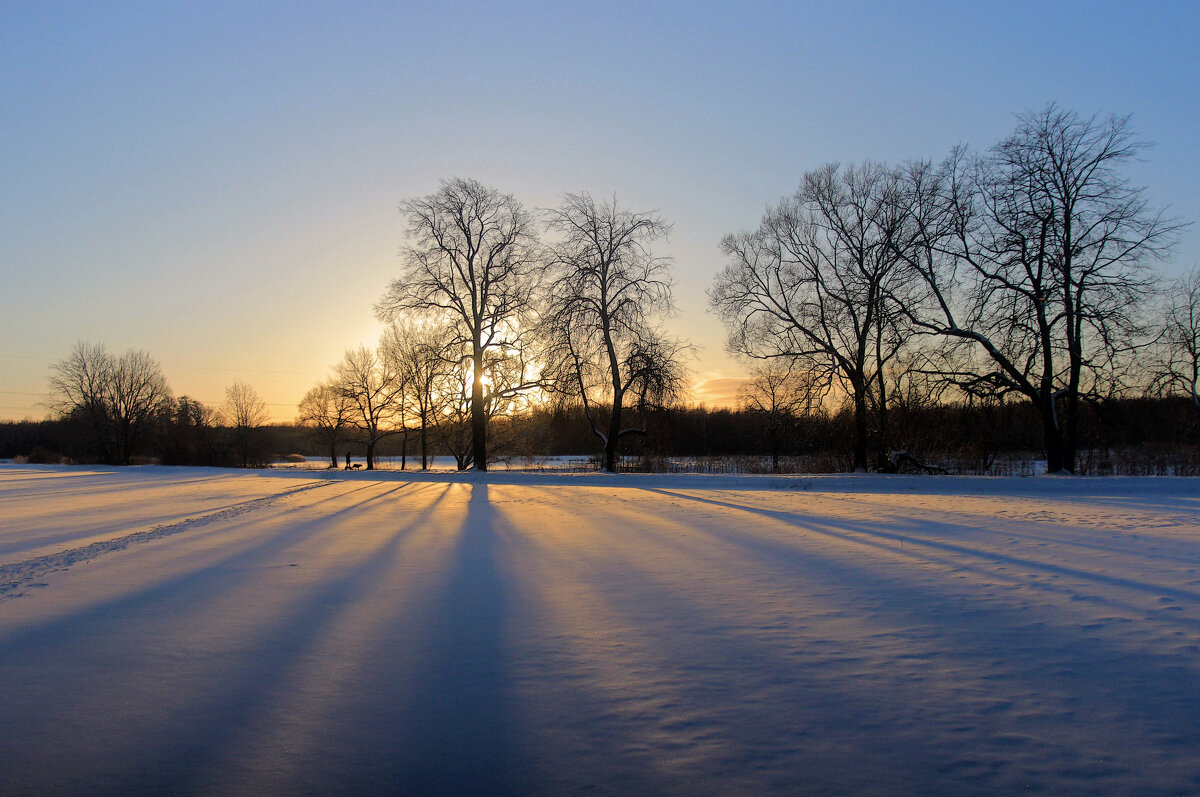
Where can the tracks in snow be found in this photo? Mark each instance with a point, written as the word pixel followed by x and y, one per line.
pixel 22 574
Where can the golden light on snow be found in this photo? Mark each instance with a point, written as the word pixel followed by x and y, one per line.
pixel 313 631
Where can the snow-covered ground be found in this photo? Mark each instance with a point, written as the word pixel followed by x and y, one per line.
pixel 198 631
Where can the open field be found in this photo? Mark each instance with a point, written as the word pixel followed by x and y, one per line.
pixel 200 631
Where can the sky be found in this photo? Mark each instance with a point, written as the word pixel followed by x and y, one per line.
pixel 217 183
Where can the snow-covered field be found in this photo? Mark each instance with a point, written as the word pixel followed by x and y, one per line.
pixel 200 631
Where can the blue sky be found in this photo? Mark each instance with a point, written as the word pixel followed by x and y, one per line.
pixel 217 183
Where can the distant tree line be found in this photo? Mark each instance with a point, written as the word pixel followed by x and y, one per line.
pixel 1143 434
pixel 118 410
pixel 997 301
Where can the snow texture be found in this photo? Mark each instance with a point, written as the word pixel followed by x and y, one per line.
pixel 196 631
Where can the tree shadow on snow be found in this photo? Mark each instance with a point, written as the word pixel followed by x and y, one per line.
pixel 456 734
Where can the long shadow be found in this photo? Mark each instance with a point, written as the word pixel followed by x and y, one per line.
pixel 56 486
pixel 269 661
pixel 194 738
pixel 1079 538
pixel 239 558
pixel 355 506
pixel 13 575
pixel 609 716
pixel 1155 692
pixel 129 495
pixel 890 540
pixel 456 726
pixel 715 669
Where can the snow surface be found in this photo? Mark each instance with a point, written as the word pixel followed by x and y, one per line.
pixel 203 631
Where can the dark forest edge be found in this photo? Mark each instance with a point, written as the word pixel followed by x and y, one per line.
pixel 1128 436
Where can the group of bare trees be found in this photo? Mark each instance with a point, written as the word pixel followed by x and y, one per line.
pixel 119 402
pixel 486 315
pixel 1022 270
pixel 406 385
pixel 114 398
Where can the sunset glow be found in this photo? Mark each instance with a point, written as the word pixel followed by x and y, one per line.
pixel 218 184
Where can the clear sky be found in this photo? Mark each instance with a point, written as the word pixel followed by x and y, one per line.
pixel 217 182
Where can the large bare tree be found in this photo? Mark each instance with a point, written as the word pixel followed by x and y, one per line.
pixel 1034 255
pixel 609 294
pixel 472 259
pixel 816 285
pixel 117 398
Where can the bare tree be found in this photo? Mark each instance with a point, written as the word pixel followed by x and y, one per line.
pixel 453 422
pixel 375 392
pixel 818 284
pixel 781 392
pixel 117 397
pixel 472 259
pixel 245 413
pixel 329 411
pixel 1177 366
pixel 1034 256
pixel 608 294
pixel 417 352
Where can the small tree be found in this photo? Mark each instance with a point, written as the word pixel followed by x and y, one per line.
pixel 451 416
pixel 781 392
pixel 329 412
pixel 418 353
pixel 1177 360
pixel 245 413
pixel 374 389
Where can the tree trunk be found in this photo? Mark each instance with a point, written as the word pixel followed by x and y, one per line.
pixel 1070 435
pixel 370 455
pixel 882 444
pixel 333 454
pixel 1052 439
pixel 424 443
pixel 614 434
pixel 860 430
pixel 774 431
pixel 1070 416
pixel 478 419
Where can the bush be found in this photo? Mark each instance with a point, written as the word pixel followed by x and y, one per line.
pixel 41 455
